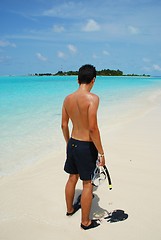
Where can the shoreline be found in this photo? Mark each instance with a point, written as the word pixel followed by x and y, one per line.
pixel 32 201
pixel 137 107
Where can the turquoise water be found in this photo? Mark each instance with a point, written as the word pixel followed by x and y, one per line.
pixel 30 110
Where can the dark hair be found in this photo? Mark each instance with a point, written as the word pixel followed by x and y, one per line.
pixel 86 73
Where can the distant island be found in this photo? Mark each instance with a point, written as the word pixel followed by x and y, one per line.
pixel 104 72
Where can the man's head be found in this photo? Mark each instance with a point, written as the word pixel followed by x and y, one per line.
pixel 86 74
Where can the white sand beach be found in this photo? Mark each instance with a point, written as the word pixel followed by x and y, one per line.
pixel 32 204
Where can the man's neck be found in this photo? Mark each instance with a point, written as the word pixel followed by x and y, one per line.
pixel 85 87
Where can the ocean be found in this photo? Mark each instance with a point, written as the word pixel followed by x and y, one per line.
pixel 30 112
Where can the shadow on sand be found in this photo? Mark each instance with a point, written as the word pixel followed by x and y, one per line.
pixel 101 213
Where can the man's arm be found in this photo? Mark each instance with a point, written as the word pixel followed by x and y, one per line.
pixel 93 128
pixel 64 124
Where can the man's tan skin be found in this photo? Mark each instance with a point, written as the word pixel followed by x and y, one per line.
pixel 81 107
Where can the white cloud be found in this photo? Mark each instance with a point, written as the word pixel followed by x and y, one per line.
pixel 58 29
pixel 154 67
pixel 4 59
pixel 61 54
pixel 157 67
pixel 72 48
pixel 91 26
pixel 105 53
pixel 67 9
pixel 7 44
pixel 133 30
pixel 41 57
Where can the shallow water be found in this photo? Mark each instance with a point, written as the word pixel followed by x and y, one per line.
pixel 31 112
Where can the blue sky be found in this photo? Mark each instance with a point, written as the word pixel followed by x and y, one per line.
pixel 52 35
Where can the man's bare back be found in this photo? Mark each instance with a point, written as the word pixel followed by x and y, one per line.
pixel 81 108
pixel 78 106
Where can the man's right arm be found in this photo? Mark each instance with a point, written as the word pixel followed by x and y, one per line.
pixel 93 127
pixel 64 123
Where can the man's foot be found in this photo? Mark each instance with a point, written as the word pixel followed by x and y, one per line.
pixel 76 206
pixel 94 223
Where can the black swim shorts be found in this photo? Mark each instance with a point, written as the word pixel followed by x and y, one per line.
pixel 81 158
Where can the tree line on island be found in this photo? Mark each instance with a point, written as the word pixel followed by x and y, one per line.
pixel 104 72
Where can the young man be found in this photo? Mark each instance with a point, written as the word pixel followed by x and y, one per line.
pixel 84 146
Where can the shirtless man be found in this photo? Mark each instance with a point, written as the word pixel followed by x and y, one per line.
pixel 84 146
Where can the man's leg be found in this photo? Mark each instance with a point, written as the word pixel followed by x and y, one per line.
pixel 70 191
pixel 86 202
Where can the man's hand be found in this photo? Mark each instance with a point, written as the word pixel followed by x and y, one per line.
pixel 101 160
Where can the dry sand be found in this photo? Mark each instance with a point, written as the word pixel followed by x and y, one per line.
pixel 32 205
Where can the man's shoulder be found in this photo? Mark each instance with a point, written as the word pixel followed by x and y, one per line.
pixel 68 99
pixel 68 96
pixel 94 96
pixel 90 96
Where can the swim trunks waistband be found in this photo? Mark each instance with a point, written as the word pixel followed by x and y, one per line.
pixel 81 141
